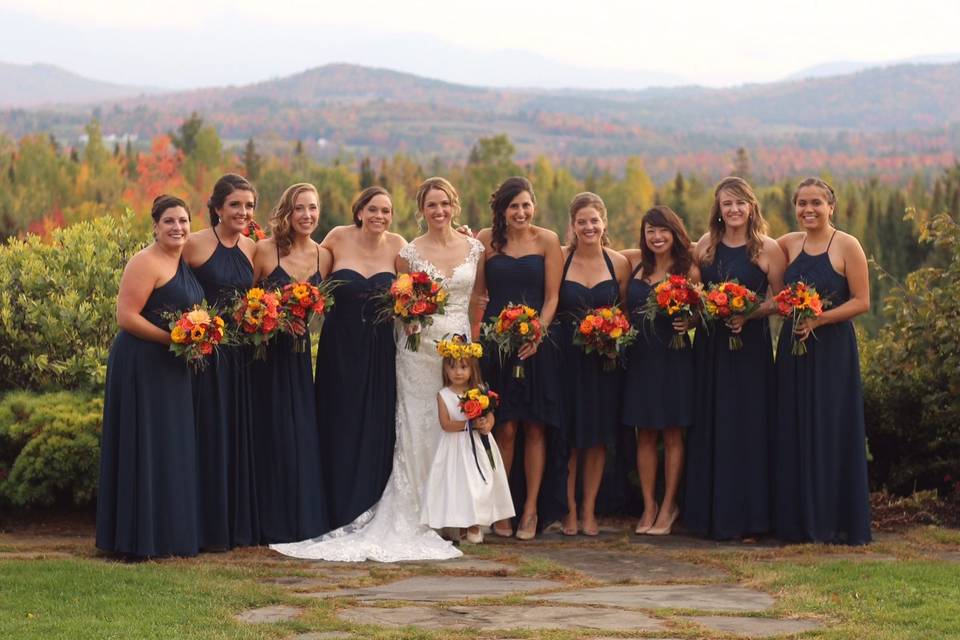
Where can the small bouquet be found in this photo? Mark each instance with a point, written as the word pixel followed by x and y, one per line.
pixel 254 231
pixel 516 326
pixel 674 297
pixel 476 403
pixel 725 299
pixel 196 334
pixel 607 332
pixel 300 304
pixel 413 299
pixel 258 318
pixel 799 301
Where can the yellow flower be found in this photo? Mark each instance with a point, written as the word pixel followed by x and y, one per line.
pixel 300 291
pixel 474 350
pixel 178 335
pixel 254 304
pixel 198 316
pixel 616 333
pixel 673 308
pixel 530 311
pixel 524 328
pixel 484 401
pixel 217 320
pixel 711 308
pixel 197 333
pixel 473 394
pixel 404 284
pixel 737 302
pixel 441 295
pixel 255 294
pixel 398 307
pixel 606 313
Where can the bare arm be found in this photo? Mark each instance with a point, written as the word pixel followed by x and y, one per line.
pixel 326 263
pixel 478 298
pixel 137 283
pixel 855 267
pixel 446 423
pixel 553 264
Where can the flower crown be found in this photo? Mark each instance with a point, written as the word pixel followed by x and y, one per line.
pixel 459 348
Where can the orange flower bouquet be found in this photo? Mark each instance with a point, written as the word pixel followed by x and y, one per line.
pixel 258 317
pixel 607 332
pixel 516 326
pixel 674 297
pixel 254 231
pixel 413 299
pixel 799 301
pixel 476 403
pixel 196 334
pixel 727 299
pixel 300 304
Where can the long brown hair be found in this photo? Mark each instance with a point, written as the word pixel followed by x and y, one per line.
pixel 663 216
pixel 499 201
pixel 582 201
pixel 281 231
pixel 756 225
pixel 475 376
pixel 227 184
pixel 364 199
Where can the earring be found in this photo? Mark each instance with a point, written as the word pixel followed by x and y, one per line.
pixel 719 219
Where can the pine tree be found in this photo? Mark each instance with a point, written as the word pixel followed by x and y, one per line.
pixel 252 161
pixel 741 164
pixel 367 176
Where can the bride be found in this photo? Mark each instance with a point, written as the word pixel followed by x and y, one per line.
pixel 390 531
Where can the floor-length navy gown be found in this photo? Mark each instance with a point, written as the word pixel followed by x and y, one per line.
pixel 821 491
pixel 536 397
pixel 290 495
pixel 356 392
pixel 728 485
pixel 224 400
pixel 146 502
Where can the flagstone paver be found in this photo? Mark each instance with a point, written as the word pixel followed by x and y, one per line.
pixel 477 565
pixel 276 613
pixel 323 635
pixel 754 627
pixel 503 617
pixel 714 597
pixel 604 564
pixel 443 588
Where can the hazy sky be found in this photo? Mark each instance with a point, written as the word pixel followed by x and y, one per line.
pixel 181 43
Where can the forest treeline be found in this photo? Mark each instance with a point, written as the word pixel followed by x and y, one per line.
pixel 45 185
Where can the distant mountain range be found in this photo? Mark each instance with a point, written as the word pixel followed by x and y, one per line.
pixel 897 111
pixel 43 84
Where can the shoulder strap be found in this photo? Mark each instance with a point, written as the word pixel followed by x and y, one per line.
pixel 804 243
pixel 214 229
pixel 277 245
pixel 636 269
pixel 606 258
pixel 566 265
pixel 318 259
pixel 831 241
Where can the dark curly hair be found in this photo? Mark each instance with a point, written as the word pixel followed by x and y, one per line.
pixel 499 201
pixel 226 185
pixel 663 216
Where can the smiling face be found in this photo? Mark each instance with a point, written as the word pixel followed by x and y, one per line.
pixel 813 207
pixel 735 209
pixel 173 227
pixel 658 239
pixel 306 213
pixel 437 209
pixel 377 214
pixel 519 213
pixel 588 226
pixel 237 210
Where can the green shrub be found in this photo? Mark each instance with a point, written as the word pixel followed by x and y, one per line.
pixel 58 304
pixel 49 448
pixel 911 372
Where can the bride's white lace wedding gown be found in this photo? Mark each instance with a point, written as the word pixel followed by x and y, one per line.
pixel 390 531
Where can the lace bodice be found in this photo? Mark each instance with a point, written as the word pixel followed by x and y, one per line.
pixel 459 284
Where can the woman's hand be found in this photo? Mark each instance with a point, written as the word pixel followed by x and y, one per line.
pixel 682 325
pixel 805 327
pixel 528 350
pixel 412 328
pixel 735 323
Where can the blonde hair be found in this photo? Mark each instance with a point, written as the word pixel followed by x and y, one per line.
pixel 582 201
pixel 280 227
pixel 756 225
pixel 440 184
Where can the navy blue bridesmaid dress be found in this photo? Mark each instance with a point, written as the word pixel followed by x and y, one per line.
pixel 224 405
pixel 356 394
pixel 820 479
pixel 591 395
pixel 146 503
pixel 290 495
pixel 537 397
pixel 728 484
pixel 658 382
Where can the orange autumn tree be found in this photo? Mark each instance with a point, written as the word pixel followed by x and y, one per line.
pixel 158 171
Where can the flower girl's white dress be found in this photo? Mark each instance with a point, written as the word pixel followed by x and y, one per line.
pixel 462 489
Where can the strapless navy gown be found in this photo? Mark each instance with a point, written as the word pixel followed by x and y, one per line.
pixel 356 394
pixel 292 502
pixel 147 497
pixel 820 479
pixel 728 483
pixel 225 444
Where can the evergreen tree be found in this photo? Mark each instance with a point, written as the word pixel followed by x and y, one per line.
pixel 367 177
pixel 252 161
pixel 186 137
pixel 741 164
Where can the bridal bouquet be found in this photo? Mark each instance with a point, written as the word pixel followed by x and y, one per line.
pixel 196 334
pixel 300 304
pixel 258 318
pixel 413 299
pixel 674 297
pixel 607 332
pixel 516 326
pixel 799 301
pixel 726 299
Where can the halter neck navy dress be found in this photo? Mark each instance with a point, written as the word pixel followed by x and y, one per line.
pixel 728 483
pixel 146 503
pixel 821 491
pixel 537 396
pixel 356 394
pixel 658 382
pixel 228 500
pixel 290 495
pixel 591 395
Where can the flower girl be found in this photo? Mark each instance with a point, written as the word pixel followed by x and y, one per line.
pixel 467 486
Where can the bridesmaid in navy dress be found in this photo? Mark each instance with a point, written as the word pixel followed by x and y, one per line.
pixel 146 504
pixel 658 383
pixel 593 276
pixel 222 259
pixel 728 484
pixel 821 491
pixel 292 503
pixel 523 265
pixel 356 385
